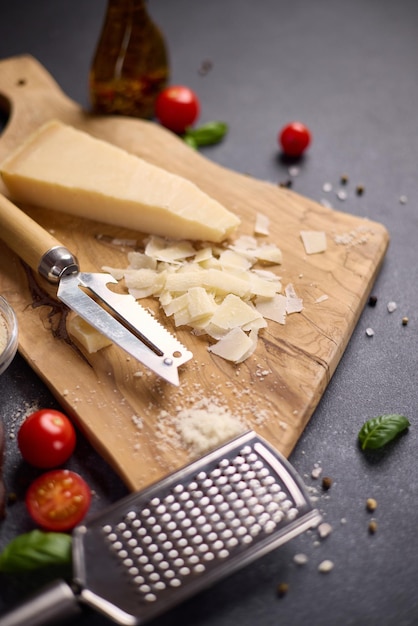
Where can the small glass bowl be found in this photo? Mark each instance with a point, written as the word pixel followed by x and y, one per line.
pixel 9 317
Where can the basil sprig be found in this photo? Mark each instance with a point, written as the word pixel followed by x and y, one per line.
pixel 205 135
pixel 34 550
pixel 378 431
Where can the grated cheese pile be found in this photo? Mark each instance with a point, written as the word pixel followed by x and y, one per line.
pixel 206 425
pixel 226 293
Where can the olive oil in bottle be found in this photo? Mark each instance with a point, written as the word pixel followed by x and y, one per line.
pixel 130 65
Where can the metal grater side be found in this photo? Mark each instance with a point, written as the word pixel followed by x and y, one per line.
pixel 182 534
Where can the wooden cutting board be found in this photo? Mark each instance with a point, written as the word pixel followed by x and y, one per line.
pixel 127 413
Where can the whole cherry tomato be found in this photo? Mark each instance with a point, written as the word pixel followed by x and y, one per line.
pixel 46 438
pixel 177 107
pixel 58 500
pixel 294 139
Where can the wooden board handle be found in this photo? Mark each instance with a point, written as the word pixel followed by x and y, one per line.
pixel 23 235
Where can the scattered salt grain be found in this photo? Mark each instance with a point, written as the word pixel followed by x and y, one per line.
pixel 327 187
pixel 325 566
pixel 341 194
pixel 293 171
pixel 403 199
pixel 392 306
pixel 316 472
pixel 369 332
pixel 138 421
pixel 300 559
pixel 324 530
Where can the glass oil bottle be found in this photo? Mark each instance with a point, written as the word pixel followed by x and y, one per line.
pixel 130 65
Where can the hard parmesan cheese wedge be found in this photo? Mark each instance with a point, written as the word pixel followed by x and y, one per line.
pixel 65 169
pixel 314 241
pixel 86 335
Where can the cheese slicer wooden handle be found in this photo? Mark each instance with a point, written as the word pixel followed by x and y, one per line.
pixel 35 245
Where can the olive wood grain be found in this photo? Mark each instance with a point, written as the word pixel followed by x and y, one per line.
pixel 126 412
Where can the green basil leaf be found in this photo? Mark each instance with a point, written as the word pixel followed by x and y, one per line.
pixel 190 141
pixel 34 550
pixel 378 431
pixel 207 134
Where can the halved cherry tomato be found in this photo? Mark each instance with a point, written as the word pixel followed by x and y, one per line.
pixel 294 139
pixel 58 500
pixel 177 107
pixel 46 438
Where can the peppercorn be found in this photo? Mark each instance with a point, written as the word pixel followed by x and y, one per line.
pixel 11 497
pixel 344 179
pixel 372 526
pixel 282 589
pixel 405 321
pixel 359 190
pixel 371 504
pixel 205 67
pixel 326 483
pixel 372 300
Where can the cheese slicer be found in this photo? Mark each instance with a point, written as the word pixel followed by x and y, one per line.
pixel 117 316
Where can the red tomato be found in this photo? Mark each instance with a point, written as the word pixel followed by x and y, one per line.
pixel 58 500
pixel 294 139
pixel 46 438
pixel 177 107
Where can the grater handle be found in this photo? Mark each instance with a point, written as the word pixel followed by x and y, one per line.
pixel 52 605
pixel 29 240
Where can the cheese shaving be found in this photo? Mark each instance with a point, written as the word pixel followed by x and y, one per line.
pixel 217 291
pixel 90 338
pixel 262 224
pixel 314 241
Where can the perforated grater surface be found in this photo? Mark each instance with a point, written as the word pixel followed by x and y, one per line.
pixel 153 549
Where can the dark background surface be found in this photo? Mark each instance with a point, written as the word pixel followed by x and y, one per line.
pixel 348 69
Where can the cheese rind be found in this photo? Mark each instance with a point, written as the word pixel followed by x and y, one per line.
pixel 65 169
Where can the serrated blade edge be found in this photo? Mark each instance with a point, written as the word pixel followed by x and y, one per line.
pixel 171 353
pixel 141 321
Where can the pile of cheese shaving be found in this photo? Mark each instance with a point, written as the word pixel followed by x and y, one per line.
pixel 226 292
